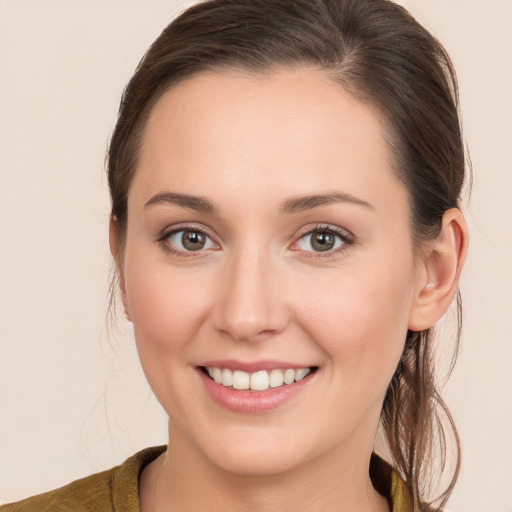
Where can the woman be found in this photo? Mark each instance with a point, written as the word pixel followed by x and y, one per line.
pixel 285 181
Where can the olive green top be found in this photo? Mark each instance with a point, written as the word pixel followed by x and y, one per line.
pixel 117 489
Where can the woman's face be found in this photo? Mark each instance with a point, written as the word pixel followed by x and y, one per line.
pixel 267 232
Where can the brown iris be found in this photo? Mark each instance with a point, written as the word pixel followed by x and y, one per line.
pixel 193 240
pixel 322 240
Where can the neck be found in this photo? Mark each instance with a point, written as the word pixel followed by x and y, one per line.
pixel 182 479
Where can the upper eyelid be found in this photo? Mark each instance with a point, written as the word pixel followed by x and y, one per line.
pixel 343 233
pixel 346 237
pixel 163 240
pixel 167 232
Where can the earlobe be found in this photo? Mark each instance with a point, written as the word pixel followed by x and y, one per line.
pixel 442 265
pixel 115 250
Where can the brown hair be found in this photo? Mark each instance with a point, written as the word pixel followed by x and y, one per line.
pixel 380 54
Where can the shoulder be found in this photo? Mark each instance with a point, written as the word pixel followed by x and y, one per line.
pixel 90 493
pixel 114 489
pixel 388 482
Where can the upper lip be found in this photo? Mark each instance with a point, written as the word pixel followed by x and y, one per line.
pixel 253 366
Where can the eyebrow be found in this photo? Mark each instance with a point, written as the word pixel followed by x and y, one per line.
pixel 197 203
pixel 299 204
pixel 293 205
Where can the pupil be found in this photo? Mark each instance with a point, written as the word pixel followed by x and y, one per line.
pixel 322 241
pixel 193 240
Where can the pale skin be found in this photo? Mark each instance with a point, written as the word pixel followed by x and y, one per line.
pixel 232 156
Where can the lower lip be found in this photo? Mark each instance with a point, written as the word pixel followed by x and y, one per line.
pixel 253 401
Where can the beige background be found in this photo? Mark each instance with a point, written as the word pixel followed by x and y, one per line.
pixel 74 401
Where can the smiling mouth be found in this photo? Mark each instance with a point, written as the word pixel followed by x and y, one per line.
pixel 256 381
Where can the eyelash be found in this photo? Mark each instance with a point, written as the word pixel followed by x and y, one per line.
pixel 346 238
pixel 163 240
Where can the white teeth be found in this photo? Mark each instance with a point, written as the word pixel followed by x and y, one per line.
pixel 227 377
pixel 301 373
pixel 257 381
pixel 217 375
pixel 276 378
pixel 241 380
pixel 289 376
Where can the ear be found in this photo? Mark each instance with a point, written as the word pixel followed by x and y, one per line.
pixel 440 270
pixel 115 250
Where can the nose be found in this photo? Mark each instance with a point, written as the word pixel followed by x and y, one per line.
pixel 250 303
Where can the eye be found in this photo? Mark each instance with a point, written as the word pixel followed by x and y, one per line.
pixel 189 240
pixel 322 240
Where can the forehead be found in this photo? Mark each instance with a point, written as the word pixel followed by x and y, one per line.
pixel 291 132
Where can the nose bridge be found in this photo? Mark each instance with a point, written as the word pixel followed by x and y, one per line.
pixel 249 303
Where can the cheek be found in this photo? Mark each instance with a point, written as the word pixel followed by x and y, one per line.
pixel 168 308
pixel 166 305
pixel 360 318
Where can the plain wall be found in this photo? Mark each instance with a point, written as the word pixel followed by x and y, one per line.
pixel 73 400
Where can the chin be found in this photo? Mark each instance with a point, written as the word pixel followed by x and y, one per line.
pixel 263 464
pixel 261 455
